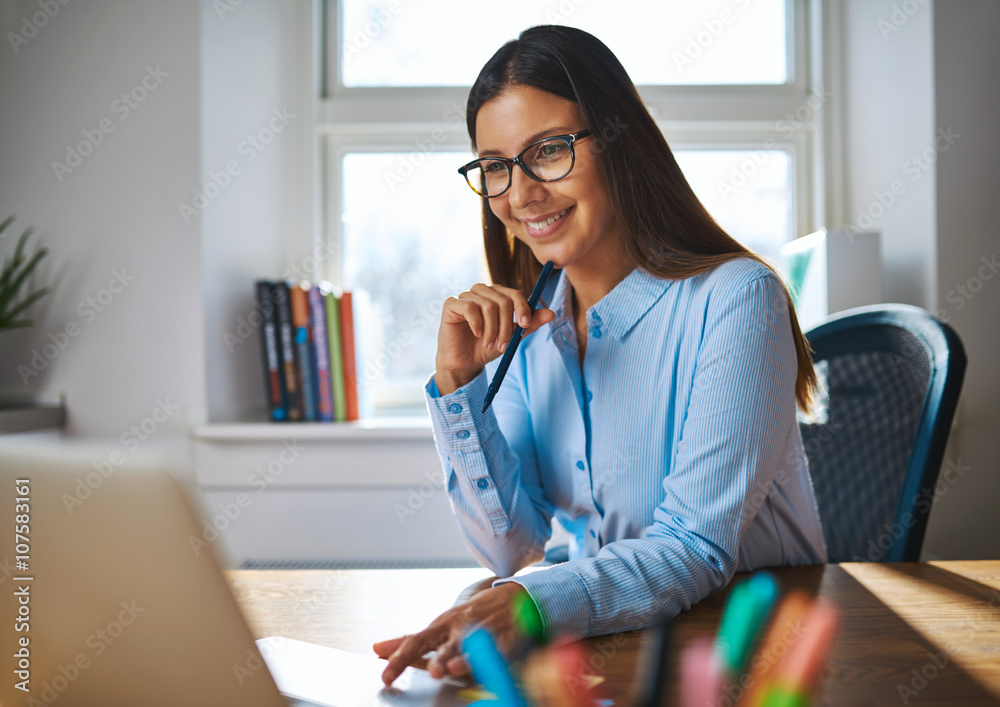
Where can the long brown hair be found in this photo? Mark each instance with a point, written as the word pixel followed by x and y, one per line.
pixel 665 229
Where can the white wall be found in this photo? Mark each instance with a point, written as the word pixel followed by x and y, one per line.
pixel 964 522
pixel 255 119
pixel 916 75
pixel 116 211
pixel 888 115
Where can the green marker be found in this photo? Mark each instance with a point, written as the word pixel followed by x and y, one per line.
pixel 527 619
pixel 785 698
pixel 746 613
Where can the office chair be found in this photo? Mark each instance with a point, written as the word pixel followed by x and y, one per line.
pixel 892 375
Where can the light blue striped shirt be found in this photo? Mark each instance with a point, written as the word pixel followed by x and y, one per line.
pixel 673 457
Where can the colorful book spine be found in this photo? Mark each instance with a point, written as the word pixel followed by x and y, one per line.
pixel 288 352
pixel 304 347
pixel 269 353
pixel 349 355
pixel 324 398
pixel 336 356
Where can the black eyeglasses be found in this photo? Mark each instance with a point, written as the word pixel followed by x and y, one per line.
pixel 548 160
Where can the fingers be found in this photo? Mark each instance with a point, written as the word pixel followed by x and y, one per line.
pixel 521 312
pixel 449 660
pixel 458 666
pixel 540 318
pixel 410 652
pixel 383 649
pixel 493 311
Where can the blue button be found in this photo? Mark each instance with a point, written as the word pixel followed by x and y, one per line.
pixel 597 332
pixel 482 483
pixel 581 466
pixel 463 434
pixel 590 396
pixel 454 408
pixel 593 534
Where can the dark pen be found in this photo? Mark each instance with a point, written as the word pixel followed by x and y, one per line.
pixel 515 338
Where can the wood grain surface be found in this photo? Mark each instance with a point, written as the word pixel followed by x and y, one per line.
pixel 912 633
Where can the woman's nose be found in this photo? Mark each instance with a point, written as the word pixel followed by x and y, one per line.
pixel 524 189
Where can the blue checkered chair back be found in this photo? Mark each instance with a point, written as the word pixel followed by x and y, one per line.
pixel 891 376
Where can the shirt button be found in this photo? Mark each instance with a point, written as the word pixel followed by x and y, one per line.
pixel 581 466
pixel 593 534
pixel 482 483
pixel 596 332
pixel 590 396
pixel 454 408
pixel 463 434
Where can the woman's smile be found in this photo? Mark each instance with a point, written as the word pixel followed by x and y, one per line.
pixel 546 225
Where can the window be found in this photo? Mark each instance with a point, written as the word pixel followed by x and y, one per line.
pixel 725 81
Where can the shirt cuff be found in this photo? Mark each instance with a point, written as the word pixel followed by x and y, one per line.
pixel 561 598
pixel 459 423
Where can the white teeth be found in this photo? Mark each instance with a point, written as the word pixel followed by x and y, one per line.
pixel 539 225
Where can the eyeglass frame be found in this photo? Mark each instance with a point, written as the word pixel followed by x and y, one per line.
pixel 570 138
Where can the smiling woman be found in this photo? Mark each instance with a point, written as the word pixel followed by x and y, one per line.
pixel 653 414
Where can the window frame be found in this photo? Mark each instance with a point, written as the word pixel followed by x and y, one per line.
pixel 724 117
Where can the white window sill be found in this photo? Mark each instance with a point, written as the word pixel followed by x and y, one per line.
pixel 368 430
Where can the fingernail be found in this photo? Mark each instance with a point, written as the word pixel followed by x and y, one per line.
pixel 502 347
pixel 525 321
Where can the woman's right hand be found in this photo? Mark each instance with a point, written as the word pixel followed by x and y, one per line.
pixel 475 329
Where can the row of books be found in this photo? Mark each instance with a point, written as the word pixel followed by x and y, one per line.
pixel 309 353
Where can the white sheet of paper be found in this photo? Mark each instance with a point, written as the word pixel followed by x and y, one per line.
pixel 337 678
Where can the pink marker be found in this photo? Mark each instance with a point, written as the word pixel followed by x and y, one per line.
pixel 700 674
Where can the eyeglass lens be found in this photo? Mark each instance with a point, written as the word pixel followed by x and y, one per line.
pixel 548 161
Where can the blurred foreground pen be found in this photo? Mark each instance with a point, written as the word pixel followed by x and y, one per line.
pixel 515 339
pixel 746 612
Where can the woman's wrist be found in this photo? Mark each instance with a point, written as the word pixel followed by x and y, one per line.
pixel 449 381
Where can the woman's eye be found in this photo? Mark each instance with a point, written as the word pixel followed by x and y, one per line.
pixel 494 168
pixel 550 150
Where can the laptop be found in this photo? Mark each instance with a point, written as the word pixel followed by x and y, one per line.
pixel 110 605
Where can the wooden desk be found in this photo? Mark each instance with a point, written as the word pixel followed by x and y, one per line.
pixel 898 621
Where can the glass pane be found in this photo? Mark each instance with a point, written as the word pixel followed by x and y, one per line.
pixel 674 42
pixel 412 238
pixel 748 192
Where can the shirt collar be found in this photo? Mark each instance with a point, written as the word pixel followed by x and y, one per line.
pixel 619 310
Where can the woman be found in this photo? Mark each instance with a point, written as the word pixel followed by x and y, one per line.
pixel 654 414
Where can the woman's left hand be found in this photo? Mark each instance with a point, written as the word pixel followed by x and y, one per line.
pixel 490 609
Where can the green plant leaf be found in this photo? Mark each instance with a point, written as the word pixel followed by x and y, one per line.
pixel 28 301
pixel 15 272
